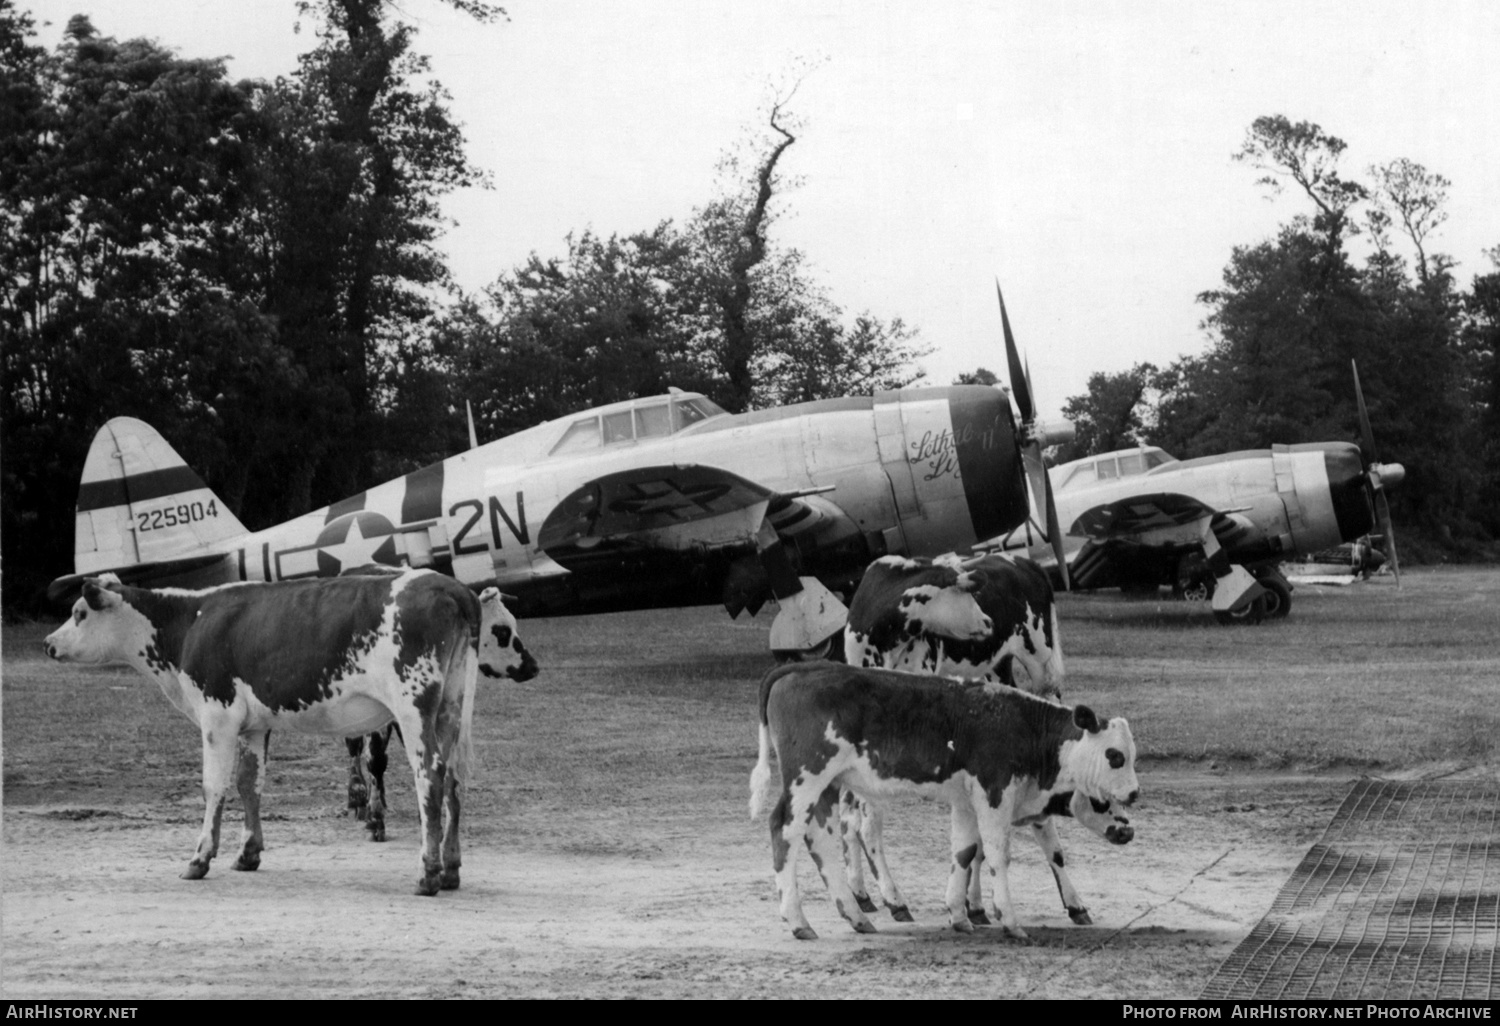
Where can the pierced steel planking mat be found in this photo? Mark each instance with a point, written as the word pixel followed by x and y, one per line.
pixel 1397 900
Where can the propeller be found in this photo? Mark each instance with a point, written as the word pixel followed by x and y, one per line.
pixel 1381 476
pixel 1034 438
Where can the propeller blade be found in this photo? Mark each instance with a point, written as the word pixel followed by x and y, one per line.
pixel 1366 434
pixel 1018 383
pixel 1389 530
pixel 1055 535
pixel 1372 462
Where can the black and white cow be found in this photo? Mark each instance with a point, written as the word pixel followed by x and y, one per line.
pixel 998 757
pixel 499 646
pixel 920 615
pixel 916 616
pixel 341 656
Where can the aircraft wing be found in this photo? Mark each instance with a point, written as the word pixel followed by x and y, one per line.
pixel 1140 515
pixel 676 506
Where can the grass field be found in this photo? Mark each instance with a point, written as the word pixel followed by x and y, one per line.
pixel 611 794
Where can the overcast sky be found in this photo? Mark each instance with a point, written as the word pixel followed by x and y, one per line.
pixel 1078 152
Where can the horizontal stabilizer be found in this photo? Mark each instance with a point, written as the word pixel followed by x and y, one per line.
pixel 192 572
pixel 139 502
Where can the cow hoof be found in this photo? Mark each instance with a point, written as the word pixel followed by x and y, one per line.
pixel 448 881
pixel 1080 916
pixel 195 871
pixel 865 904
pixel 1018 934
pixel 901 914
pixel 805 933
pixel 963 925
pixel 978 918
pixel 245 865
pixel 377 831
pixel 427 886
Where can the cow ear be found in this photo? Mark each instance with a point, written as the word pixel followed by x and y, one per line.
pixel 1084 719
pixel 99 597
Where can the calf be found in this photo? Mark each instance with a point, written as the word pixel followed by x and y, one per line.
pixel 501 655
pixel 998 758
pixel 341 656
pixel 889 626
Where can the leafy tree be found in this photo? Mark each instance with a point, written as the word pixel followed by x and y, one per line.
pixel 1293 312
pixel 978 376
pixel 1110 415
pixel 1481 350
pixel 120 279
pixel 361 148
pixel 713 305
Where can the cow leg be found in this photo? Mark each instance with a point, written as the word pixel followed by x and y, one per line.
pixel 220 740
pixel 976 890
pixel 378 746
pixel 1045 833
pixel 964 844
pixel 428 779
pixel 359 790
pixel 806 814
pixel 872 839
pixel 786 837
pixel 851 823
pixel 255 749
pixel 995 830
pixel 452 858
pixel 822 841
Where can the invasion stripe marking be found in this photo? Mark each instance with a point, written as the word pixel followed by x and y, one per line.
pixel 122 491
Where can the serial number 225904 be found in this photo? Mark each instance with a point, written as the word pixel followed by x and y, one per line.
pixel 174 516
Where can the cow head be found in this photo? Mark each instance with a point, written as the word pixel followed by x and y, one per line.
pixel 501 653
pixel 950 611
pixel 1101 763
pixel 1102 818
pixel 103 627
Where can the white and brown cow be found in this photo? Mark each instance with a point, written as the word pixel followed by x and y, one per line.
pixel 341 656
pixel 501 655
pixel 998 757
pixel 989 617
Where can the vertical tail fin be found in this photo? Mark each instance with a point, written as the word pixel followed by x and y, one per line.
pixel 139 502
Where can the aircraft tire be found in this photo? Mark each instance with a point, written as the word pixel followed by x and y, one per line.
pixel 1278 598
pixel 1255 612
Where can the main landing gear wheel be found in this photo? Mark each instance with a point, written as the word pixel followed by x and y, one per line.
pixel 1277 599
pixel 1254 612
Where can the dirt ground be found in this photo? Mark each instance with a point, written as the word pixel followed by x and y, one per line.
pixel 671 903
pixel 662 899
pixel 608 853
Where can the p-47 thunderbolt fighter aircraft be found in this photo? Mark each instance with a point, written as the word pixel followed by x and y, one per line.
pixel 1218 526
pixel 659 501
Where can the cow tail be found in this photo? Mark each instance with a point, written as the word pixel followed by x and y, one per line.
pixel 760 777
pixel 1057 654
pixel 463 668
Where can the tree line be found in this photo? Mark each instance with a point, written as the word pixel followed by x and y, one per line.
pixel 1294 311
pixel 253 268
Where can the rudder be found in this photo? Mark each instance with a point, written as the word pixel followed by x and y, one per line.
pixel 139 502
